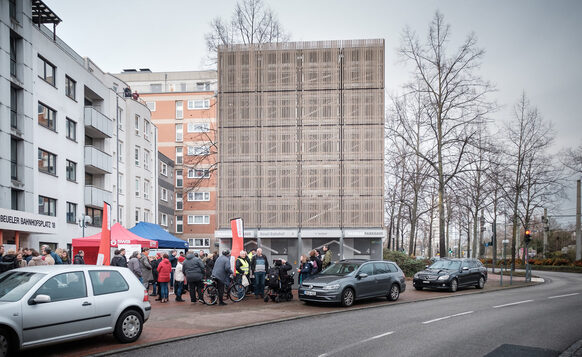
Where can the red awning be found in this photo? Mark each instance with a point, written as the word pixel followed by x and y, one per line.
pixel 119 235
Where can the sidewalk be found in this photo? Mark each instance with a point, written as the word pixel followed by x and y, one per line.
pixel 176 320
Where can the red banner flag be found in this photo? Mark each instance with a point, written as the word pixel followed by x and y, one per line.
pixel 105 244
pixel 237 228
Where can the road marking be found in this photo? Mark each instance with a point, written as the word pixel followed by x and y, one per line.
pixel 559 296
pixel 355 344
pixel 513 303
pixel 448 317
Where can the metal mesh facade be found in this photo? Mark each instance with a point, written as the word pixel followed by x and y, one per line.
pixel 301 134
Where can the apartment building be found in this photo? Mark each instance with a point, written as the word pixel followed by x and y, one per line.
pixel 166 202
pixel 59 156
pixel 183 108
pixel 301 143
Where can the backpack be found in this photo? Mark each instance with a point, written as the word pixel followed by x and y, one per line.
pixel 273 278
pixel 314 269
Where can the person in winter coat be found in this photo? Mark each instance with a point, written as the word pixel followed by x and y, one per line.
pixel 242 267
pixel 62 253
pixel 155 261
pixel 260 267
pixel 146 268
pixel 134 265
pixel 9 261
pixel 318 259
pixel 79 258
pixel 326 257
pixel 221 272
pixel 164 272
pixel 36 260
pixel 46 250
pixel 119 259
pixel 304 269
pixel 209 265
pixel 193 270
pixel 179 279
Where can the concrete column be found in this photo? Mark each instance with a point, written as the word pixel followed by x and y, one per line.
pixel 342 244
pixel 17 239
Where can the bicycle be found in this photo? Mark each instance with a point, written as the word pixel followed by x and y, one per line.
pixel 235 291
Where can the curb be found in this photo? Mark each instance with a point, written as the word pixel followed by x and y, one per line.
pixel 574 350
pixel 292 318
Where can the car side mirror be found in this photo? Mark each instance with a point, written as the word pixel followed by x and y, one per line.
pixel 362 275
pixel 39 299
pixel 465 268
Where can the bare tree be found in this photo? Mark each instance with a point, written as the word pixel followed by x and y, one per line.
pixel 252 22
pixel 454 99
pixel 572 159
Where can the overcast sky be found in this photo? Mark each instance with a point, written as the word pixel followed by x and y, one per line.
pixel 530 45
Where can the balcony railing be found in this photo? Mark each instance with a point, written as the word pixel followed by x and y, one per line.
pixel 97 162
pixel 95 196
pixel 97 125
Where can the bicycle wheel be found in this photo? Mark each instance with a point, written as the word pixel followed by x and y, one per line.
pixel 236 292
pixel 210 295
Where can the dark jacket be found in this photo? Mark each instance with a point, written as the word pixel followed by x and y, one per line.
pixel 173 260
pixel 8 262
pixel 134 266
pixel 146 269
pixel 319 263
pixel 238 265
pixel 78 259
pixel 154 263
pixel 254 262
pixel 56 257
pixel 305 271
pixel 284 268
pixel 209 266
pixel 118 261
pixel 193 268
pixel 314 270
pixel 222 268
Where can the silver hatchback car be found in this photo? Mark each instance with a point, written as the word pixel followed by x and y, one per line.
pixel 49 304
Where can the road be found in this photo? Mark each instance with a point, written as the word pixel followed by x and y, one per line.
pixel 541 320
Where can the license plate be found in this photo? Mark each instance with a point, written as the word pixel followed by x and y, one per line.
pixel 309 293
pixel 426 282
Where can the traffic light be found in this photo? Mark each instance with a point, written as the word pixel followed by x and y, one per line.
pixel 527 236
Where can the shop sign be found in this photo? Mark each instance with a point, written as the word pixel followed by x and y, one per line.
pixel 27 222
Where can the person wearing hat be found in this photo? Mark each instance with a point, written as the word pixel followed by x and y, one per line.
pixel 221 272
pixel 179 279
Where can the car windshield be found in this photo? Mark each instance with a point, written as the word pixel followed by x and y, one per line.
pixel 446 264
pixel 340 269
pixel 14 284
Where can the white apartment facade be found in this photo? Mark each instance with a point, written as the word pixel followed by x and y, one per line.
pixel 59 157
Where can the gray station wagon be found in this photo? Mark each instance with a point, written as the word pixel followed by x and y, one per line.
pixel 353 279
pixel 49 304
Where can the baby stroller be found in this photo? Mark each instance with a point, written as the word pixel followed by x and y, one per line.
pixel 279 284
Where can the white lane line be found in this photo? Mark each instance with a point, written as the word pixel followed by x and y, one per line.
pixel 448 317
pixel 355 344
pixel 560 296
pixel 513 303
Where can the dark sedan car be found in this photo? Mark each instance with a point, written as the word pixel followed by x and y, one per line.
pixel 349 280
pixel 451 274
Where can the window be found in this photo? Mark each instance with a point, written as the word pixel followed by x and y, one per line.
pixel 137 214
pixel 96 215
pixel 120 184
pixel 198 173
pixel 71 212
pixel 151 106
pixel 164 169
pixel 120 151
pixel 179 153
pixel 47 206
pixel 381 268
pixel 12 8
pixel 13 159
pixel 107 282
pixel 146 215
pixel 198 150
pixel 70 88
pixel 179 178
pixel 71 129
pixel 120 215
pixel 14 107
pixel 179 133
pixel 137 155
pixel 198 196
pixel 164 220
pixel 137 186
pixel 198 127
pixel 198 219
pixel 199 104
pixel 179 224
pixel 179 201
pixel 199 242
pixel 16 198
pixel 203 86
pixel 156 87
pixel 71 171
pixel 164 195
pixel 146 159
pixel 136 120
pixel 47 116
pixel 146 129
pixel 146 189
pixel 47 162
pixel 46 70
pixel 13 56
pixel 179 109
pixel 65 286
pixel 120 116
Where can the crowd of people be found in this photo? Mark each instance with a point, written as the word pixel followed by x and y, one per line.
pixel 11 259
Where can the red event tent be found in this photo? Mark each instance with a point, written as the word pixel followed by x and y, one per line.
pixel 119 235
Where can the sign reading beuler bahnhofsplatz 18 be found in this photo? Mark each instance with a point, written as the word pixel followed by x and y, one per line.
pixel 27 222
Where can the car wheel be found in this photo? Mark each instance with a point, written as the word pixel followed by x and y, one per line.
pixel 129 326
pixel 7 346
pixel 348 297
pixel 394 292
pixel 418 287
pixel 480 283
pixel 454 285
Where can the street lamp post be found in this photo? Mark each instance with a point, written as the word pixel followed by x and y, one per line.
pixel 84 221
pixel 505 242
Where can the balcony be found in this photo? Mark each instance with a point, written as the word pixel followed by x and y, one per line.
pixel 97 125
pixel 95 196
pixel 97 162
